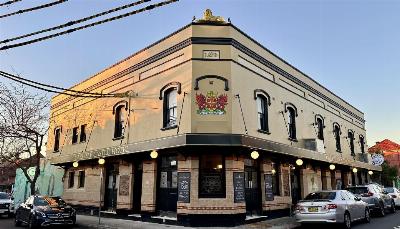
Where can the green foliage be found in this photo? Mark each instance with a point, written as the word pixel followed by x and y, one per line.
pixel 389 173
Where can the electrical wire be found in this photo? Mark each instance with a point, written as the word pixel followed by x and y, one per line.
pixel 33 8
pixel 9 2
pixel 54 87
pixel 76 21
pixel 149 7
pixel 52 91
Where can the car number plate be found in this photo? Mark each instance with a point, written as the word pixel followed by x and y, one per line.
pixel 313 209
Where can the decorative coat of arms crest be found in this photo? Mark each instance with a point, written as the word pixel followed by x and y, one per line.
pixel 211 104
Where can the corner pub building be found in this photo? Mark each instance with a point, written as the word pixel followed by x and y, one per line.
pixel 204 124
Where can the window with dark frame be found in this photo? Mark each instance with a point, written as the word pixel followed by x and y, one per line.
pixel 362 143
pixel 119 121
pixel 292 122
pixel 81 179
pixel 320 127
pixel 71 176
pixel 170 108
pixel 336 132
pixel 212 176
pixel 275 180
pixel 262 113
pixel 82 136
pixel 57 139
pixel 350 135
pixel 74 135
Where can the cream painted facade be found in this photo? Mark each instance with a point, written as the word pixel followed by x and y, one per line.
pixel 216 61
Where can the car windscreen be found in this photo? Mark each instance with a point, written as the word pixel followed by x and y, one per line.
pixel 357 190
pixel 4 196
pixel 49 201
pixel 321 196
pixel 389 190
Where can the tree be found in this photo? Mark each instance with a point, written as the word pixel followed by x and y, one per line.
pixel 389 174
pixel 23 127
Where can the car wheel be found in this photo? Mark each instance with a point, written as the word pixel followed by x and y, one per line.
pixel 367 217
pixel 393 207
pixel 347 221
pixel 381 210
pixel 17 223
pixel 31 223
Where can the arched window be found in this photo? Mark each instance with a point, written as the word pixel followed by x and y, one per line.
pixel 350 135
pixel 362 143
pixel 119 121
pixel 170 108
pixel 292 122
pixel 262 113
pixel 336 132
pixel 320 127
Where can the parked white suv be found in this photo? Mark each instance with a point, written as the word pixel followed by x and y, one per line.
pixel 395 194
pixel 6 204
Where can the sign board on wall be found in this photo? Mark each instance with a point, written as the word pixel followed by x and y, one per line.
pixel 238 187
pixel 211 54
pixel 184 187
pixel 124 185
pixel 269 194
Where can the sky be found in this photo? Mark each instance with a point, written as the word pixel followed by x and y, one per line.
pixel 352 47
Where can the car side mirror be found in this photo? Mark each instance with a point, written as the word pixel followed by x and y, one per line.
pixel 29 205
pixel 357 198
pixel 12 198
pixel 385 192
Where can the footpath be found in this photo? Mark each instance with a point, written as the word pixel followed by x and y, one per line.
pixel 85 221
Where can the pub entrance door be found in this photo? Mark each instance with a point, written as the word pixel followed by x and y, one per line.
pixel 252 187
pixel 295 185
pixel 110 195
pixel 167 191
pixel 137 186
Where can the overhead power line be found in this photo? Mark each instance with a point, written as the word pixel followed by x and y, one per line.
pixel 33 8
pixel 76 21
pixel 9 2
pixel 149 7
pixel 13 77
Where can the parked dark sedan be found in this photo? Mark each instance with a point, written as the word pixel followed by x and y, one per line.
pixel 38 211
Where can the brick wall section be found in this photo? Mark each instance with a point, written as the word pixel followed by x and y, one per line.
pixel 89 195
pixel 149 186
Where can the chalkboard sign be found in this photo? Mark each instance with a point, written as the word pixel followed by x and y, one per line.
pixel 269 195
pixel 238 187
pixel 184 187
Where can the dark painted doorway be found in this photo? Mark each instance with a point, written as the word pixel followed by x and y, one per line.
pixel 167 194
pixel 110 195
pixel 137 186
pixel 295 185
pixel 252 187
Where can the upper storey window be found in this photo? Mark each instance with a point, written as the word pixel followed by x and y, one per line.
pixel 362 143
pixel 262 113
pixel 337 132
pixel 170 108
pixel 119 121
pixel 292 122
pixel 350 135
pixel 57 135
pixel 320 127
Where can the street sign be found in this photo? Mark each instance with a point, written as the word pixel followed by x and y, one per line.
pixel 377 159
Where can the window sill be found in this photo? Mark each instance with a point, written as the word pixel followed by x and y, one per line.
pixel 339 151
pixel 293 139
pixel 82 141
pixel 118 138
pixel 169 127
pixel 263 131
pixel 75 143
pixel 212 197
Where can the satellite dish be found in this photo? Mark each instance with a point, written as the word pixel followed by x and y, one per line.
pixel 377 159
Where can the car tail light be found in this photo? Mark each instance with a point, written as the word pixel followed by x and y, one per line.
pixel 299 208
pixel 394 196
pixel 367 194
pixel 331 206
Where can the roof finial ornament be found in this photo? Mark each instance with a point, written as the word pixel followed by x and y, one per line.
pixel 208 17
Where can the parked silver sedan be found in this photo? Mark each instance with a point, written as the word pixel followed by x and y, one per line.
pixel 336 206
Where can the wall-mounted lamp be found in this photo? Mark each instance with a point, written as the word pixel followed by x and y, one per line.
pixel 299 162
pixel 332 167
pixel 273 171
pixel 370 172
pixel 254 155
pixel 355 170
pixel 101 161
pixel 154 154
pixel 75 164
